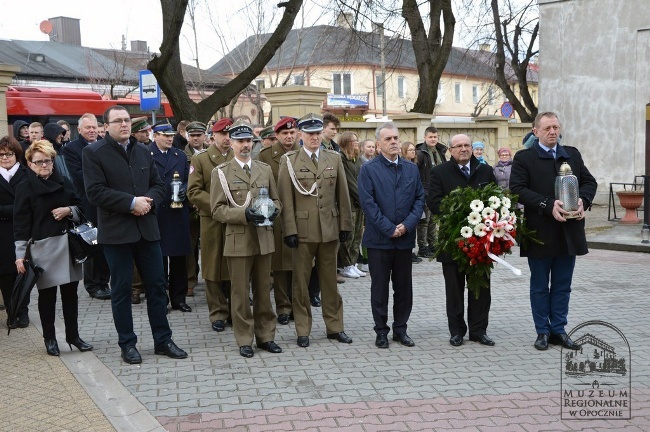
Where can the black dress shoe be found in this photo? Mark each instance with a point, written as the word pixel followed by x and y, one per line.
pixel 303 341
pixel 404 339
pixel 218 325
pixel 79 344
pixel 541 343
pixel 564 340
pixel 270 346
pixel 170 350
pixel 246 351
pixel 456 340
pixel 341 337
pixel 283 319
pixel 315 301
pixel 101 294
pixel 52 347
pixel 381 341
pixel 131 355
pixel 23 321
pixel 183 307
pixel 415 259
pixel 482 339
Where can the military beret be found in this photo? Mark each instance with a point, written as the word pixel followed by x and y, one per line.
pixel 222 125
pixel 285 123
pixel 164 128
pixel 196 127
pixel 267 132
pixel 240 130
pixel 139 124
pixel 310 123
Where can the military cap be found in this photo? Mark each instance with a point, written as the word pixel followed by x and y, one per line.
pixel 139 124
pixel 310 123
pixel 222 125
pixel 240 130
pixel 285 123
pixel 196 127
pixel 267 132
pixel 164 128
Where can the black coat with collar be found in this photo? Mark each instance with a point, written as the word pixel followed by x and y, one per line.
pixel 533 179
pixel 113 178
pixel 7 200
pixel 72 152
pixel 447 176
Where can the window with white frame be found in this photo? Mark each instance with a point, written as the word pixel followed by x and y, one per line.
pixel 491 95
pixel 260 83
pixel 299 79
pixel 441 94
pixel 401 87
pixel 457 95
pixel 379 84
pixel 475 96
pixel 341 83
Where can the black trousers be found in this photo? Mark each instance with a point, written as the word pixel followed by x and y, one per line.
pixel 96 273
pixel 70 304
pixel 390 265
pixel 176 269
pixel 313 287
pixel 477 309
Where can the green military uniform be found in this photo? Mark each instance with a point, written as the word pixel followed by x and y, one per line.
pixel 213 265
pixel 195 233
pixel 282 262
pixel 248 248
pixel 316 218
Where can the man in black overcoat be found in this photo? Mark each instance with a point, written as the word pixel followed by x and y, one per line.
pixel 462 170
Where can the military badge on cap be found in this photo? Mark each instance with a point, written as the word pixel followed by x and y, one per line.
pixel 196 127
pixel 222 125
pixel 139 124
pixel 240 130
pixel 285 123
pixel 164 128
pixel 310 123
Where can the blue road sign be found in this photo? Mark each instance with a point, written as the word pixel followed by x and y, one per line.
pixel 507 109
pixel 149 91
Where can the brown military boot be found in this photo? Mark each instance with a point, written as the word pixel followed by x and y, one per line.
pixel 135 296
pixel 190 292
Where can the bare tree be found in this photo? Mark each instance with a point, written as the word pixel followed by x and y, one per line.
pixel 166 67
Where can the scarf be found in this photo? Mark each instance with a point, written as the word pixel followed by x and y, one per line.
pixel 7 174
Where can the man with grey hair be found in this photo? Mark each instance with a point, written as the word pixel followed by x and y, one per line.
pixel 392 200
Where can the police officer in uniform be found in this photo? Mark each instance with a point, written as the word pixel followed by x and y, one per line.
pixel 285 129
pixel 213 265
pixel 316 215
pixel 248 248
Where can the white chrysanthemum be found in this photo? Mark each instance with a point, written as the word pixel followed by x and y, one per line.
pixel 509 227
pixel 466 232
pixel 495 202
pixel 474 218
pixel 488 212
pixel 476 205
pixel 512 218
pixel 479 230
pixel 505 201
pixel 499 232
pixel 505 212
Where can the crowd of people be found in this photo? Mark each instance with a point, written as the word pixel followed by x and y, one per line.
pixel 340 210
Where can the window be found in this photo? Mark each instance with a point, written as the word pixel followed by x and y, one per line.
pixel 342 83
pixel 474 94
pixel 457 95
pixel 401 87
pixel 260 84
pixel 491 95
pixel 379 84
pixel 299 79
pixel 441 94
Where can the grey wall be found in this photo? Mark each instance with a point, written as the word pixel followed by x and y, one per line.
pixel 595 73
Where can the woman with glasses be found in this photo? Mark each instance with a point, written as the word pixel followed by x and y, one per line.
pixel 503 167
pixel 45 203
pixel 12 172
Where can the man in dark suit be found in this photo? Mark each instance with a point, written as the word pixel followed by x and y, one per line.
pixel 122 181
pixel 462 170
pixel 551 264
pixel 96 272
pixel 173 222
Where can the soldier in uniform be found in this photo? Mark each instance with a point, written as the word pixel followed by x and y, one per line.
pixel 268 136
pixel 248 248
pixel 317 215
pixel 213 266
pixel 140 130
pixel 282 263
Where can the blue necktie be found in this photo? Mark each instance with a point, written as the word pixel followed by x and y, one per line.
pixel 465 171
pixel 552 153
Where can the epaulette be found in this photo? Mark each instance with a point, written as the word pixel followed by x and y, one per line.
pixel 291 153
pixel 223 165
pixel 200 152
pixel 262 163
pixel 265 149
pixel 331 151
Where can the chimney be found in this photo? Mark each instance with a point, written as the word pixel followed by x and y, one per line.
pixel 345 20
pixel 139 46
pixel 65 30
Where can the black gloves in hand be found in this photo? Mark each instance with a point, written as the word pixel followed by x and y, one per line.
pixel 251 216
pixel 291 241
pixel 275 214
pixel 344 236
pixel 182 194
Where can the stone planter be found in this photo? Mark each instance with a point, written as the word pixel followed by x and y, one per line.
pixel 630 201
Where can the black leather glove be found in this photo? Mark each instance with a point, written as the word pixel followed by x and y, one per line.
pixel 251 216
pixel 275 214
pixel 344 236
pixel 182 194
pixel 291 241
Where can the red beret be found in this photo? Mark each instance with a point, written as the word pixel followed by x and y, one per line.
pixel 222 125
pixel 285 123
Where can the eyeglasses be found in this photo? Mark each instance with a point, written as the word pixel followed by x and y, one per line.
pixel 44 162
pixel 410 150
pixel 120 121
pixel 7 155
pixel 462 146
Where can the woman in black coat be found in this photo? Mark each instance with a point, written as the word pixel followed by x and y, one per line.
pixel 45 201
pixel 11 173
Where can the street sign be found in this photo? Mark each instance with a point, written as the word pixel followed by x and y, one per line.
pixel 506 109
pixel 149 91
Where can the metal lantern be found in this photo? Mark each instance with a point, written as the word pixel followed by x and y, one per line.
pixel 566 190
pixel 176 184
pixel 263 205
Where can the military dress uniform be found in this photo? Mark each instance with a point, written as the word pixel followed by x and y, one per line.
pixel 316 218
pixel 248 248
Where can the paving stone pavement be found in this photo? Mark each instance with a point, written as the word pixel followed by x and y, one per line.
pixel 332 386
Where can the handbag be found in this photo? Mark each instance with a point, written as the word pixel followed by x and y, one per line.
pixel 82 239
